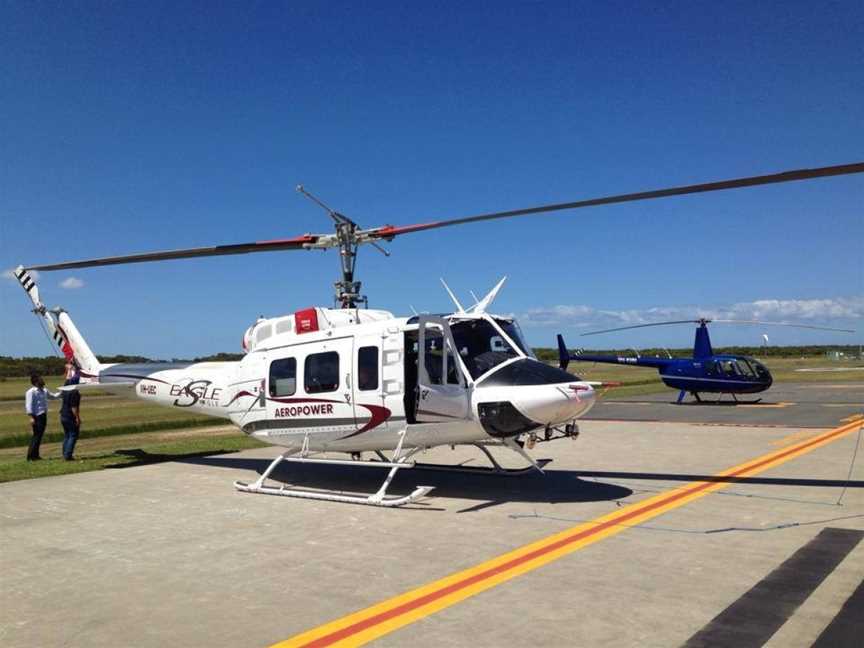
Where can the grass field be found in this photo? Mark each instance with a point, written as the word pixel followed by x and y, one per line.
pixel 119 432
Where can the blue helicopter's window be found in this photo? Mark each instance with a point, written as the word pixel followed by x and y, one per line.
pixel 283 377
pixel 367 368
pixel 744 368
pixel 729 368
pixel 321 372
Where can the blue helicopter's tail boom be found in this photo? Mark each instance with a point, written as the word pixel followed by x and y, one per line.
pixel 655 363
pixel 564 358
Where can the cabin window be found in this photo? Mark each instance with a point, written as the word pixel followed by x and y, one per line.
pixel 367 368
pixel 283 377
pixel 729 368
pixel 321 372
pixel 434 356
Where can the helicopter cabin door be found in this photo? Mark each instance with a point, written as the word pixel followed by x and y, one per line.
pixel 442 393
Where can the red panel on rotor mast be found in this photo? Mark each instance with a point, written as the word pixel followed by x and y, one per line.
pixel 306 320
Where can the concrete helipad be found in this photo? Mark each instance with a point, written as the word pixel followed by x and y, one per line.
pixel 785 404
pixel 171 554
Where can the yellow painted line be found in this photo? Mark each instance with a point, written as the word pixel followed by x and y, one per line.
pixel 853 418
pixel 779 405
pixel 793 438
pixel 383 618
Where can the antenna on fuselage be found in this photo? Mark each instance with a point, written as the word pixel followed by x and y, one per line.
pixel 452 296
pixel 481 306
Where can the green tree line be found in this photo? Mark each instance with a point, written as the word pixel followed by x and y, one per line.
pixel 52 365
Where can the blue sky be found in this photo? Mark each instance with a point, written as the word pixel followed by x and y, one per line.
pixel 161 125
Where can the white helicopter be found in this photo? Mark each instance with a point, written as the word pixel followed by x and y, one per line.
pixel 354 380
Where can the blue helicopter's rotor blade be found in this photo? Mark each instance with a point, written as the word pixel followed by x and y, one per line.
pixel 792 324
pixel 635 326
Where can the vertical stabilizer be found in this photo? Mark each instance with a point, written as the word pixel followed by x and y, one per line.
pixel 702 346
pixel 60 327
pixel 83 355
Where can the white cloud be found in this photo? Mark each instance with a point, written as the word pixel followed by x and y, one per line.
pixel 787 310
pixel 72 283
pixel 10 274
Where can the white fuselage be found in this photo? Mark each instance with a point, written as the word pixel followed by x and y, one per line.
pixel 353 381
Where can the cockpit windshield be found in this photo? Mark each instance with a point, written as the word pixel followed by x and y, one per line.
pixel 744 368
pixel 760 369
pixel 511 328
pixel 481 345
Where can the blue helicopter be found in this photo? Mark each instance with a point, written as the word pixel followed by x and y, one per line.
pixel 705 372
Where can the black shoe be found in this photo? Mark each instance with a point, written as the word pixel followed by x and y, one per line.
pixel 68 458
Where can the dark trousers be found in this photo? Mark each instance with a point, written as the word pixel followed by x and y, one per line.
pixel 70 436
pixel 36 439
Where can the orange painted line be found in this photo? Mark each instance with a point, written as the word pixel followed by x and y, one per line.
pixel 373 622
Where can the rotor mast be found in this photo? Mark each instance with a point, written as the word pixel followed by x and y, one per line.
pixel 347 290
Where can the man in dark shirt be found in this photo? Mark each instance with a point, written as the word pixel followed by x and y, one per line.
pixel 70 414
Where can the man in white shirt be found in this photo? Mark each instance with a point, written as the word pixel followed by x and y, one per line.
pixel 36 405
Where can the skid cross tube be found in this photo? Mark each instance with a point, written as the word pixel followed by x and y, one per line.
pixel 379 498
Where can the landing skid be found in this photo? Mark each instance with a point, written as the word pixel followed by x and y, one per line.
pixel 719 401
pixel 379 498
pixel 399 461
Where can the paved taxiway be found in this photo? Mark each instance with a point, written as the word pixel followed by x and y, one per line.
pixel 170 553
pixel 784 404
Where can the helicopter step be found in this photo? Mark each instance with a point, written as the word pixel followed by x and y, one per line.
pixel 379 498
pixel 495 469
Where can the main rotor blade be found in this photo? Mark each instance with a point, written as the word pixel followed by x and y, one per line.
pixel 635 326
pixel 721 321
pixel 389 231
pixel 805 326
pixel 297 243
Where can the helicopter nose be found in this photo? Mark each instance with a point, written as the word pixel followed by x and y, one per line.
pixel 510 411
pixel 554 404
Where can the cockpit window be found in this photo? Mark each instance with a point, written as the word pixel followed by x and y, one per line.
pixel 744 368
pixel 728 368
pixel 759 368
pixel 481 346
pixel 513 331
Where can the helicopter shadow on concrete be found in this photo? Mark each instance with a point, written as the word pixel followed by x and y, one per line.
pixel 552 487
